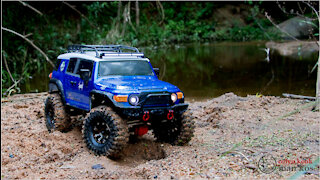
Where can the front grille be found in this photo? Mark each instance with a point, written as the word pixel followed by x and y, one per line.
pixel 158 100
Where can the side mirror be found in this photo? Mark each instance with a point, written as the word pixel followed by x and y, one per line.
pixel 85 75
pixel 157 71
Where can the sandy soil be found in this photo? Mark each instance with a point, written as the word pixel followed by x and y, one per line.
pixel 232 134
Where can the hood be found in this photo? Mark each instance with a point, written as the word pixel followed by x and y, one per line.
pixel 134 83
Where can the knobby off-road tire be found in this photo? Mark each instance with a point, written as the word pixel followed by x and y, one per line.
pixel 56 115
pixel 105 132
pixel 178 131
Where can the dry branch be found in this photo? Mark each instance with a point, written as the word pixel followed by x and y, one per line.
pixel 294 13
pixel 241 155
pixel 313 9
pixel 294 96
pixel 72 7
pixel 6 64
pixel 29 41
pixel 14 84
pixel 159 6
pixel 27 35
pixel 34 9
pixel 269 18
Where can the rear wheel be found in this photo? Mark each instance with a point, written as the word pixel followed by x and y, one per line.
pixel 177 131
pixel 105 132
pixel 56 115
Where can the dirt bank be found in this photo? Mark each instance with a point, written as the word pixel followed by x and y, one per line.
pixel 232 134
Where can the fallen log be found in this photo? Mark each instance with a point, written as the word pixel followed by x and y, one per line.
pixel 294 96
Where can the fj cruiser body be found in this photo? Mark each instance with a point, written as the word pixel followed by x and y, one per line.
pixel 119 93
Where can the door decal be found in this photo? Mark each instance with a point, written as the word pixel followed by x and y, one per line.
pixel 80 86
pixel 62 66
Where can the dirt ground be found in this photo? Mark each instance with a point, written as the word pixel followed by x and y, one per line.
pixel 232 133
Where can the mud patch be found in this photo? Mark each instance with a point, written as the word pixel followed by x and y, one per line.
pixel 144 149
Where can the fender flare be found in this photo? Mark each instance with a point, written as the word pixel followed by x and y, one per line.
pixel 108 95
pixel 55 85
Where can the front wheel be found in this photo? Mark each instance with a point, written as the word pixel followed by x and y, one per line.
pixel 105 132
pixel 177 131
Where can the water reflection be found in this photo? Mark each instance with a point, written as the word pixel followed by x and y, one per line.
pixel 209 70
pixel 204 71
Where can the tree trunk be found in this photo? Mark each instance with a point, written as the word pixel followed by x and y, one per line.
pixel 118 15
pixel 137 14
pixel 125 19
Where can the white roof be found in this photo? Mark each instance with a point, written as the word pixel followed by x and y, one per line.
pixel 108 56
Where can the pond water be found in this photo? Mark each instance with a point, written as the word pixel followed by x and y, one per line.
pixel 204 71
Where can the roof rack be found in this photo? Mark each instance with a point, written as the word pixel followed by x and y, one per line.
pixel 105 49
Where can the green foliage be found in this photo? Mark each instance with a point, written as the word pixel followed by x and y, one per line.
pixel 61 26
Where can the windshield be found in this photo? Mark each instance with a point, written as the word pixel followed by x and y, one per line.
pixel 125 68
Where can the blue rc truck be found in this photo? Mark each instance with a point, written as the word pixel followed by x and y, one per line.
pixel 118 93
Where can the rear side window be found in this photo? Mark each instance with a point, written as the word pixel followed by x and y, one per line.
pixel 85 65
pixel 57 64
pixel 72 65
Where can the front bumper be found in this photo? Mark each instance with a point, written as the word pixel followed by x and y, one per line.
pixel 155 108
pixel 138 111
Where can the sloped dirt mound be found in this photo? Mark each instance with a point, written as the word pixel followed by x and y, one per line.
pixel 213 111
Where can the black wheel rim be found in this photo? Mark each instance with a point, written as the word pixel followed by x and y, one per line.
pixel 100 132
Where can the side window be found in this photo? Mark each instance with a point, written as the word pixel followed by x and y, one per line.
pixel 84 64
pixel 57 64
pixel 72 65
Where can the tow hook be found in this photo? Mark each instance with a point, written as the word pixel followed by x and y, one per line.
pixel 170 115
pixel 146 116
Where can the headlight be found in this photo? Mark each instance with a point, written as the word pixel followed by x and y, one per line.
pixel 173 97
pixel 134 100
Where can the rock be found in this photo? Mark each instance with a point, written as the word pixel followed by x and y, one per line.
pixel 67 167
pixel 294 49
pixel 97 166
pixel 251 166
pixel 297 27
